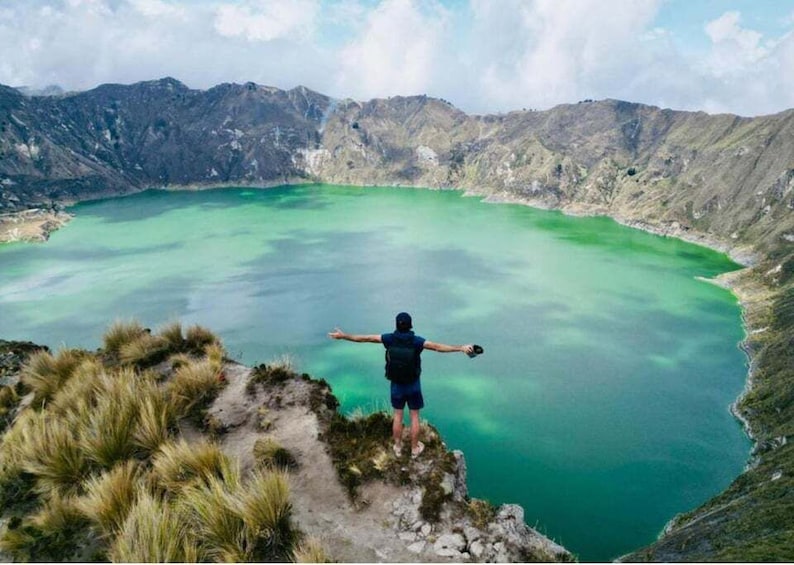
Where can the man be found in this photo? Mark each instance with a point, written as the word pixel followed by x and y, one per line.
pixel 406 390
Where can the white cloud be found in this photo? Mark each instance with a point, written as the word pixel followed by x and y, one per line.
pixel 396 52
pixel 487 56
pixel 733 47
pixel 263 20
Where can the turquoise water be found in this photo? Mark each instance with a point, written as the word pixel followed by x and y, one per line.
pixel 600 405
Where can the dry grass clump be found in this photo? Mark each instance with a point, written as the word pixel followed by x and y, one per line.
pixel 198 337
pixel 172 334
pixel 145 350
pixel 193 387
pixel 178 464
pixel 270 454
pixel 46 448
pixel 215 354
pixel 54 532
pixel 311 551
pixel 110 497
pixel 106 433
pixel 210 508
pixel 264 506
pixel 156 419
pixel 154 532
pixel 121 333
pixel 45 373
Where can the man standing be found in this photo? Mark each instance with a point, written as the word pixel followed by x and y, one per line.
pixel 403 369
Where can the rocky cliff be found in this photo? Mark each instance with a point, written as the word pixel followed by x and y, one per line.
pixel 722 180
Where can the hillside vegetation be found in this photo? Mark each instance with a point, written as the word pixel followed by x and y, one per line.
pixel 721 180
pixel 157 448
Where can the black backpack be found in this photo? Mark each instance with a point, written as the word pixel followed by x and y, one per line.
pixel 402 359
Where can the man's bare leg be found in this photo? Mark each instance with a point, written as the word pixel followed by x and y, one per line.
pixel 415 449
pixel 397 429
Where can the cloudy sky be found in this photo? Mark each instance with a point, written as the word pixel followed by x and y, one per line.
pixel 481 55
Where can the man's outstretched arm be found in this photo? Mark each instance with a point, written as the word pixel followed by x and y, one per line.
pixel 339 334
pixel 443 348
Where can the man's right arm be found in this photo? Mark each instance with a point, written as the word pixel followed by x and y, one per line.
pixel 339 334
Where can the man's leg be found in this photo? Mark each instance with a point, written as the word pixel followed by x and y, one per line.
pixel 414 430
pixel 397 426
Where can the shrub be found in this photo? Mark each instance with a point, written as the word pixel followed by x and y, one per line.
pixel 8 400
pixel 110 497
pixel 265 509
pixel 209 508
pixel 121 333
pixel 177 465
pixel 45 373
pixel 270 454
pixel 144 351
pixel 311 551
pixel 153 533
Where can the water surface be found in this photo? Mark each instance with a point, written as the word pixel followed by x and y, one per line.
pixel 600 406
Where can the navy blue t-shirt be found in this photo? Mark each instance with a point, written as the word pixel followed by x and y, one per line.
pixel 419 344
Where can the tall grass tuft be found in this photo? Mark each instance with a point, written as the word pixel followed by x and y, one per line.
pixel 269 453
pixel 265 508
pixel 121 333
pixel 172 334
pixel 145 350
pixel 209 507
pixel 197 338
pixel 110 497
pixel 45 373
pixel 193 387
pixel 154 533
pixel 59 514
pixel 178 464
pixel 81 388
pixel 106 434
pixel 311 551
pixel 215 354
pixel 48 450
pixel 55 531
pixel 155 420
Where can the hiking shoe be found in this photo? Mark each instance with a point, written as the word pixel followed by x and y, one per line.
pixel 420 447
pixel 398 449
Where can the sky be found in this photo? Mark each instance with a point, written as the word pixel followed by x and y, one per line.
pixel 483 56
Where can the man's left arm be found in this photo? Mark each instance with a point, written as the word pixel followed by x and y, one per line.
pixel 443 348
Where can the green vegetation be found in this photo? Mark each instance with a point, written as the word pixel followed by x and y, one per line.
pixel 94 468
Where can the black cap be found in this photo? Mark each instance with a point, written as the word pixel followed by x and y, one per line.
pixel 403 321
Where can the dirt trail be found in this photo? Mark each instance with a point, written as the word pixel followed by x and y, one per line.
pixel 368 532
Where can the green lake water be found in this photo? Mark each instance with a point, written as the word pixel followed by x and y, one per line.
pixel 600 404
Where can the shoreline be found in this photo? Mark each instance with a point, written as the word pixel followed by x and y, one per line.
pixel 31 225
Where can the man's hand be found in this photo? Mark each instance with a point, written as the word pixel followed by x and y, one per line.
pixel 467 349
pixel 337 334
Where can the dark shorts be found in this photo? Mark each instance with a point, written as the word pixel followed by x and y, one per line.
pixel 410 394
